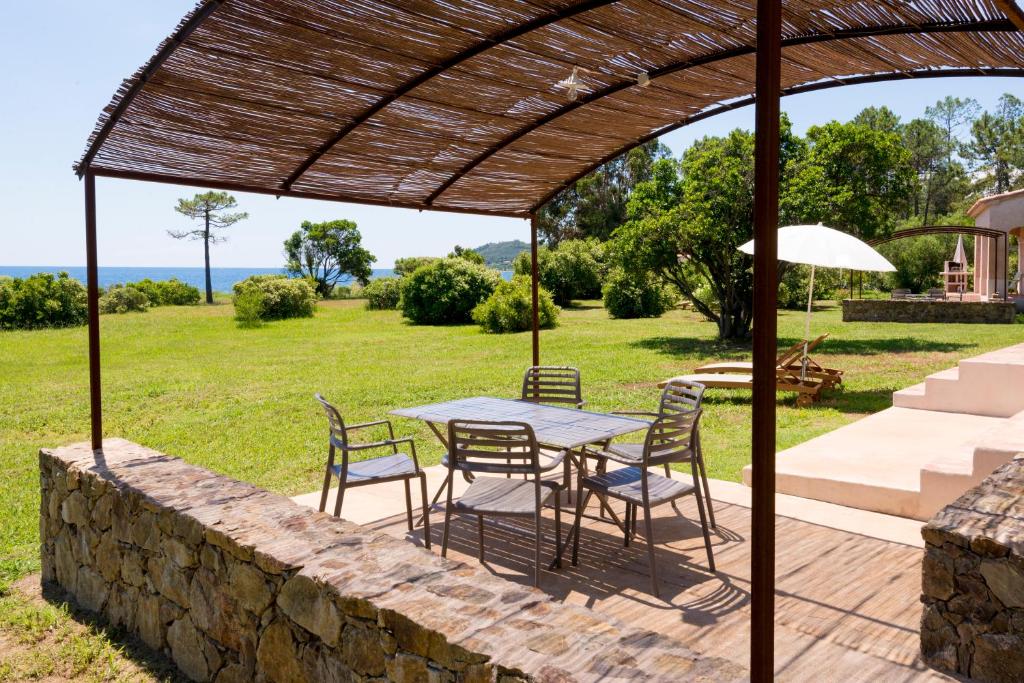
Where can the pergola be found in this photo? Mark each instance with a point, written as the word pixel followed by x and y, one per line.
pixel 456 106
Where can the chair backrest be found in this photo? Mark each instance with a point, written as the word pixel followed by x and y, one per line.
pixel 495 447
pixel 552 384
pixel 337 425
pixel 936 293
pixel 680 396
pixel 671 438
pixel 900 293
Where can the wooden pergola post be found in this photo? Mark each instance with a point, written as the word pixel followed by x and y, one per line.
pixel 766 224
pixel 93 293
pixel 535 289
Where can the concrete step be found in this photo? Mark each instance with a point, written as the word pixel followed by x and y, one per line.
pixel 911 397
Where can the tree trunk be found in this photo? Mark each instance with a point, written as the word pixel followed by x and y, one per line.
pixel 206 250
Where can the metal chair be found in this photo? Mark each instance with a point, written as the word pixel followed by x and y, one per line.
pixel 558 385
pixel 670 439
pixel 395 467
pixel 678 396
pixel 480 448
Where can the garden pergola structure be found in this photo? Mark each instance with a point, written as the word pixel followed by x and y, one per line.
pixel 457 106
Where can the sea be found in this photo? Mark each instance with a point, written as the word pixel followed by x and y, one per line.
pixel 222 279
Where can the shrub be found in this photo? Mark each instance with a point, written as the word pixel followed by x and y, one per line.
pixel 171 292
pixel 282 297
pixel 123 299
pixel 633 295
pixel 510 308
pixel 42 300
pixel 383 294
pixel 446 291
pixel 249 308
pixel 410 264
pixel 572 271
pixel 793 288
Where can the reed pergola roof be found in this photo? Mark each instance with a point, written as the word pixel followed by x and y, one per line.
pixel 456 104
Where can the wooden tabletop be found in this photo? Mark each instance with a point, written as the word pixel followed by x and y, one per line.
pixel 553 426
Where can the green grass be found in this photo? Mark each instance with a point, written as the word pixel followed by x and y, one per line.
pixel 188 382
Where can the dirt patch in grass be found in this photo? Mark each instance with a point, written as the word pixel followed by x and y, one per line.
pixel 45 637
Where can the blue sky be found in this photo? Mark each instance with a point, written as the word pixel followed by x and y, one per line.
pixel 60 62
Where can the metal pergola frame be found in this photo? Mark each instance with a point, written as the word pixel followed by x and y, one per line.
pixel 768 91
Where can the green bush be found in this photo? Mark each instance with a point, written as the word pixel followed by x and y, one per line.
pixel 282 297
pixel 123 299
pixel 572 271
pixel 446 291
pixel 383 294
pixel 249 308
pixel 171 292
pixel 42 300
pixel 510 308
pixel 793 288
pixel 410 264
pixel 633 295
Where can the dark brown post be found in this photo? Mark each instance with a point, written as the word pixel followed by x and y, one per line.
pixel 766 224
pixel 535 289
pixel 93 288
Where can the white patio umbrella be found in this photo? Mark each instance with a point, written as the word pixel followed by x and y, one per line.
pixel 817 245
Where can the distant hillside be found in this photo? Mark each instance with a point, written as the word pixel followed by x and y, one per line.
pixel 500 254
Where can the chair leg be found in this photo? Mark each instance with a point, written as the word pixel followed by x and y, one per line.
pixel 704 528
pixel 327 488
pixel 480 534
pixel 408 504
pixel 447 517
pixel 581 503
pixel 558 529
pixel 625 531
pixel 649 530
pixel 707 491
pixel 437 496
pixel 538 535
pixel 632 524
pixel 342 482
pixel 426 510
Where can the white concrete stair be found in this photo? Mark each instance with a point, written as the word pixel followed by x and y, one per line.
pixel 990 384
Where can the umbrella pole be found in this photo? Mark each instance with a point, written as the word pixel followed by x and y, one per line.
pixel 807 326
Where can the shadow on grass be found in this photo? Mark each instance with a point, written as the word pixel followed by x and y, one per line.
pixel 129 646
pixel 692 347
pixel 858 402
pixel 582 305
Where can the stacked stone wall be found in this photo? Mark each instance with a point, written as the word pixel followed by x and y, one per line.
pixel 234 583
pixel 973 581
pixel 912 311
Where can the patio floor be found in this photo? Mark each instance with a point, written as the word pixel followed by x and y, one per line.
pixel 847 604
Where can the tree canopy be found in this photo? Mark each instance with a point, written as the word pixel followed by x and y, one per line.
pixel 210 208
pixel 328 253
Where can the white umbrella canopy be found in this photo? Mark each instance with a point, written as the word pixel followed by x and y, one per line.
pixel 817 245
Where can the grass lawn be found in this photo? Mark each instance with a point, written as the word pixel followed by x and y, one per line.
pixel 186 381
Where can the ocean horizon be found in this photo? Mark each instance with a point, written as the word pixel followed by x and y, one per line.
pixel 222 279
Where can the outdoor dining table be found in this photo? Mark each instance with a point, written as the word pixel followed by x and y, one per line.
pixel 562 428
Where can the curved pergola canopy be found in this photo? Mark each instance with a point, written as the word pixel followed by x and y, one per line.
pixel 465 105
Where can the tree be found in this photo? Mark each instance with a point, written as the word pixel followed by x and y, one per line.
pixel 951 114
pixel 467 254
pixel 595 205
pixel 926 144
pixel 408 264
pixel 881 119
pixel 686 224
pixel 997 145
pixel 208 207
pixel 852 178
pixel 328 252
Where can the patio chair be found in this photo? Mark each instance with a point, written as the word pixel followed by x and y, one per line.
pixel 678 396
pixel 790 359
pixel 554 385
pixel 395 467
pixel 900 294
pixel 672 438
pixel 481 448
pixel 807 389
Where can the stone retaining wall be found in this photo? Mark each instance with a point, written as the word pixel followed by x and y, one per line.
pixel 235 583
pixel 899 311
pixel 973 581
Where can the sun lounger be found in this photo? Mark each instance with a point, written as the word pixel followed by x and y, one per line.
pixel 790 359
pixel 808 390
